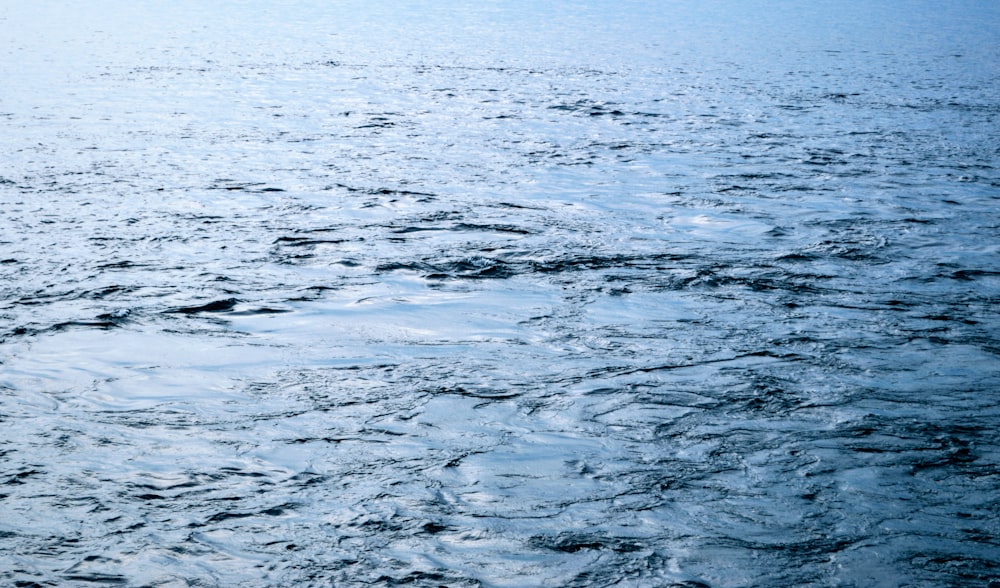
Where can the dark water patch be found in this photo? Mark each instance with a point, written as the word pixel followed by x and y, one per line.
pixel 468 268
pixel 251 187
pixel 263 310
pixel 385 191
pixel 304 440
pixel 20 477
pixel 472 268
pixel 314 292
pixel 573 542
pixel 273 511
pixel 404 230
pixel 109 322
pixel 109 292
pixel 224 305
pixel 572 263
pixel 427 578
pixel 470 227
pixel 306 241
pixel 97 578
pixel 475 393
pixel 969 275
pixel 516 264
pixel 949 318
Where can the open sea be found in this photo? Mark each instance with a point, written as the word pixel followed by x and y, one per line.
pixel 582 293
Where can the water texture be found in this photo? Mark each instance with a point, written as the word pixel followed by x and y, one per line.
pixel 499 294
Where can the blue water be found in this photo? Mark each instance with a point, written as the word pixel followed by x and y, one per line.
pixel 498 294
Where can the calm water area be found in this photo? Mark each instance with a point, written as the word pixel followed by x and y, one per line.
pixel 500 294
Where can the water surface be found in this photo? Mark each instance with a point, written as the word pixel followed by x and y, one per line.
pixel 496 294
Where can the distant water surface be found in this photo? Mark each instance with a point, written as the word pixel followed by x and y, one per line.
pixel 499 294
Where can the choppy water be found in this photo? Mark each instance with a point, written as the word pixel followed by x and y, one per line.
pixel 493 294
